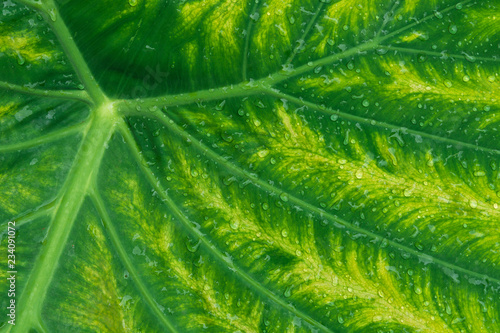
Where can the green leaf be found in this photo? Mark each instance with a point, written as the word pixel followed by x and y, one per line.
pixel 250 166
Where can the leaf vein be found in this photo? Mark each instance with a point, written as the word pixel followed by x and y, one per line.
pixel 115 240
pixel 189 226
pixel 168 122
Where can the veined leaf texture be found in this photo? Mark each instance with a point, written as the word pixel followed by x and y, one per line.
pixel 250 166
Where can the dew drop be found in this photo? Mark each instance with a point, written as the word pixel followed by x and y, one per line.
pixel 288 292
pixel 417 290
pixel 466 78
pixel 255 17
pixel 52 14
pixel 263 153
pixel 20 59
pixel 284 233
pixel 452 29
pixel 284 197
pixel 226 137
pixel 359 174
pixel 473 203
pixel 133 3
pixel 365 103
pixel 220 106
pixel 265 206
pixel 469 57
pixel 192 247
pixel 421 57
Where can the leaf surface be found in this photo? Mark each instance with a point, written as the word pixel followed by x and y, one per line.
pixel 241 166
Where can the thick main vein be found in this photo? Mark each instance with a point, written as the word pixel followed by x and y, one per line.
pixel 72 195
pixel 237 170
pixel 129 139
pixel 52 16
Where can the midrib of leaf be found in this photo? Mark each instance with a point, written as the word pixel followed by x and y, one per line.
pixel 52 16
pixel 72 194
pixel 235 169
pixel 162 193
